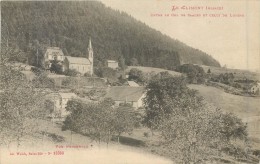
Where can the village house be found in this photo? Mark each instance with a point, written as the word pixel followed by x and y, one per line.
pixel 112 64
pixel 255 88
pixel 53 53
pixel 59 102
pixel 127 94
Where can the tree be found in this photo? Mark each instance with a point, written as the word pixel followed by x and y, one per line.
pixel 125 120
pixel 100 121
pixel 106 72
pixel 195 73
pixel 134 62
pixel 94 119
pixel 209 71
pixel 56 67
pixel 21 107
pixel 232 127
pixel 192 130
pixel 121 62
pixel 137 75
pixel 159 90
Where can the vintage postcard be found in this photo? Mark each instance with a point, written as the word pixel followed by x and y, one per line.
pixel 130 82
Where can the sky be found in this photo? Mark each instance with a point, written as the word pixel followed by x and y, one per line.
pixel 230 33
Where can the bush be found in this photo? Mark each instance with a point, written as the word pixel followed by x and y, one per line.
pixel 56 67
pixel 106 72
pixel 42 81
pixel 71 72
pixel 137 76
pixel 69 82
pixel 37 71
pixel 87 75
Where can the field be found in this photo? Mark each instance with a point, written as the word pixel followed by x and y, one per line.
pixel 247 108
pixel 83 149
pixel 152 69
pixel 239 74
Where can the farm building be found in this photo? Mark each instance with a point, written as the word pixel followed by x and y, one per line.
pixel 127 94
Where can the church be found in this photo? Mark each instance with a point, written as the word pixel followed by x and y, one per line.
pixel 80 64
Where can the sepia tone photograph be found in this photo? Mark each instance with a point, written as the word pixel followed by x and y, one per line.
pixel 130 82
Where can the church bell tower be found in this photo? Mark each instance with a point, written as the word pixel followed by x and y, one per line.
pixel 90 56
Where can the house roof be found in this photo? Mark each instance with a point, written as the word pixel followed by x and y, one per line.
pixel 77 60
pixel 68 95
pixel 125 93
pixel 111 61
pixel 132 84
pixel 54 51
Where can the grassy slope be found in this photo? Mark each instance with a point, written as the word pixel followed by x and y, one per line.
pixel 92 153
pixel 238 73
pixel 152 69
pixel 247 108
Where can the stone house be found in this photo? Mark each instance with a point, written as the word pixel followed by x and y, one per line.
pixel 112 64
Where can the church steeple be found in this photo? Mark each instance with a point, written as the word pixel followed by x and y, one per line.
pixel 90 45
pixel 90 56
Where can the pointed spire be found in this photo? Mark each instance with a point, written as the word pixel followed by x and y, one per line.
pixel 90 45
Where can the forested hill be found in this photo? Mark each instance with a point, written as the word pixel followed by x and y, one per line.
pixel 69 25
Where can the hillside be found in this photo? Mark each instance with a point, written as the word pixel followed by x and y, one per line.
pixel 69 25
pixel 238 73
pixel 247 108
pixel 152 69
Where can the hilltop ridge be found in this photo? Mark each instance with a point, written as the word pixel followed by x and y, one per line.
pixel 114 34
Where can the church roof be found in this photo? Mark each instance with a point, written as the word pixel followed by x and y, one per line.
pixel 77 60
